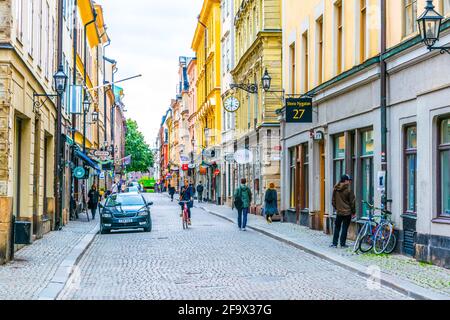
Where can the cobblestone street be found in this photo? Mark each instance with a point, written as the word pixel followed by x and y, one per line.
pixel 35 265
pixel 212 260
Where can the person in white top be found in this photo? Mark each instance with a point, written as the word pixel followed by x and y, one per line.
pixel 114 188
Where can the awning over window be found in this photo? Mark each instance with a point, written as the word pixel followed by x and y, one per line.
pixel 88 160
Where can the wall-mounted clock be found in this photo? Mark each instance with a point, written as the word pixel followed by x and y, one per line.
pixel 231 104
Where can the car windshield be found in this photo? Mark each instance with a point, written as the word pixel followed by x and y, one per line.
pixel 125 200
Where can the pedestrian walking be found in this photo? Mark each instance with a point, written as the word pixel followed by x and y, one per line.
pixel 171 192
pixel 270 203
pixel 200 189
pixel 114 188
pixel 93 200
pixel 344 205
pixel 242 200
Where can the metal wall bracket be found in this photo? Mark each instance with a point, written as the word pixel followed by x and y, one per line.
pixel 37 103
pixel 442 50
pixel 250 88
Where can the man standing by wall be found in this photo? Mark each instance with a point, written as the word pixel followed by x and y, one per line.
pixel 344 204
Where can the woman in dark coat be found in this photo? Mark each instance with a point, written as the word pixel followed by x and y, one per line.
pixel 270 203
pixel 94 198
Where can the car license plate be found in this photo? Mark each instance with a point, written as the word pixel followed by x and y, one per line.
pixel 125 220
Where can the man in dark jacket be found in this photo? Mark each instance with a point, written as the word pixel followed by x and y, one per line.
pixel 242 201
pixel 344 204
pixel 200 192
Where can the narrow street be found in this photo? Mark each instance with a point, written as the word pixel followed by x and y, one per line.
pixel 212 260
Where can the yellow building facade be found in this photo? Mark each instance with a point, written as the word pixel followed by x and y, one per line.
pixel 258 47
pixel 208 114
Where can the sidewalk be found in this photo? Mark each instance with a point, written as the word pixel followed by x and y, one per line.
pixel 40 270
pixel 418 280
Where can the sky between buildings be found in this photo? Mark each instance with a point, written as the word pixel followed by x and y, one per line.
pixel 147 37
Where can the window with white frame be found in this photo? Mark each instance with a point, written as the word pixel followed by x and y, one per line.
pixel 39 32
pixel 30 31
pixel 445 7
pixel 362 30
pixel 19 19
pixel 339 36
pixel 292 68
pixel 319 25
pixel 409 16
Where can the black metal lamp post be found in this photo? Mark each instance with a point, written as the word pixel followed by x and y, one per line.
pixel 430 27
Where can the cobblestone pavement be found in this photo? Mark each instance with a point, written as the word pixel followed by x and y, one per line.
pixel 35 265
pixel 427 276
pixel 211 260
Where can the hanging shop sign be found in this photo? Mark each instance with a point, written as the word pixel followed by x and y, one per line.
pixel 203 171
pixel 79 172
pixel 299 110
pixel 319 135
pixel 185 167
pixel 184 158
pixel 216 172
pixel 229 157
pixel 243 156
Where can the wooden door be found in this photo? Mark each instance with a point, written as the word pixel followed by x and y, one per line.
pixel 322 186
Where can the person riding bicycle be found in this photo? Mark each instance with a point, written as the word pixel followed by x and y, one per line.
pixel 187 194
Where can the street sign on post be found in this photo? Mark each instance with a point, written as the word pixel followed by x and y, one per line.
pixel 299 110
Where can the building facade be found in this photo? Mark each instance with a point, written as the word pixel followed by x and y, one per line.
pixel 258 47
pixel 28 114
pixel 27 129
pixel 332 52
pixel 228 167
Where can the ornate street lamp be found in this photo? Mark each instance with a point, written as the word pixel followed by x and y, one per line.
pixel 430 27
pixel 266 81
pixel 94 117
pixel 60 81
pixel 86 103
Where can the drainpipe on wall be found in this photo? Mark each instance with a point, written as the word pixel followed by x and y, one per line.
pixel 383 102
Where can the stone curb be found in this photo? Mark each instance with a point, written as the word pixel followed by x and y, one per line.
pixel 67 266
pixel 402 286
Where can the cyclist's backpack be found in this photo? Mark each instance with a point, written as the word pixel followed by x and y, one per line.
pixel 238 203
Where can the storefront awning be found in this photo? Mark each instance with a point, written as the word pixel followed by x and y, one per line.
pixel 87 160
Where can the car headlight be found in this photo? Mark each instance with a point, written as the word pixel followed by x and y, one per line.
pixel 143 213
pixel 107 215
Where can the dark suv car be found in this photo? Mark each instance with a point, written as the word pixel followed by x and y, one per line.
pixel 125 211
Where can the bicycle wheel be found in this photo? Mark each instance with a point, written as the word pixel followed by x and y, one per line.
pixel 391 245
pixel 382 237
pixel 361 234
pixel 366 243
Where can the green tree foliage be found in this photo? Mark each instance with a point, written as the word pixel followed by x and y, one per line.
pixel 141 154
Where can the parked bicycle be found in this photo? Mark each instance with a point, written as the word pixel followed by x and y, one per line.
pixel 378 236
